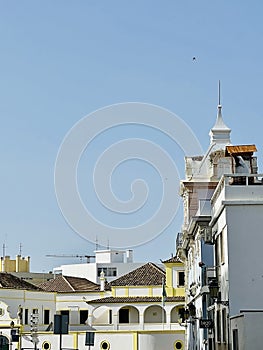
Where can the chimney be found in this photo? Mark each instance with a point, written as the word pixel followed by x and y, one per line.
pixel 102 281
pixel 129 256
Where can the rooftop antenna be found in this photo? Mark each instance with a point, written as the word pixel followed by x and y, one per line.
pixel 4 247
pixel 96 243
pixel 20 249
pixel 108 244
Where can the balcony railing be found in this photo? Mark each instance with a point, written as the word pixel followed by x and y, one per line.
pixel 233 180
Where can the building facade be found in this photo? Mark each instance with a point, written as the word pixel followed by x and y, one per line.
pixel 221 243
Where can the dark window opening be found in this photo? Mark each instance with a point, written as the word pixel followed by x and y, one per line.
pixel 108 271
pixel 46 316
pixel 104 345
pixel 4 343
pixel 178 345
pixel 26 316
pixel 83 316
pixel 124 316
pixel 235 339
pixel 224 326
pixel 181 278
pixel 218 326
pixel 181 313
pixel 65 312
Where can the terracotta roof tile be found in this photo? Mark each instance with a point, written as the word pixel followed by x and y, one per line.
pixel 68 284
pixel 7 280
pixel 173 259
pixel 132 300
pixel 146 275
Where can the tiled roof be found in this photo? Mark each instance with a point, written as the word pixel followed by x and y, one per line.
pixel 7 280
pixel 173 259
pixel 69 284
pixel 123 300
pixel 146 275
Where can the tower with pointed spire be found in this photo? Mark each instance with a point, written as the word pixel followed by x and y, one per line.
pixel 202 183
pixel 220 133
pixel 213 164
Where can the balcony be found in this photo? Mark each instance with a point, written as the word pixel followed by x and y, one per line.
pixel 238 188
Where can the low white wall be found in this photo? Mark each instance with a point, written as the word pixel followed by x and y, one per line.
pixel 122 340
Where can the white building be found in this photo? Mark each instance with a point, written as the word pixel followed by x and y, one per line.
pixel 138 315
pixel 221 244
pixel 237 218
pixel 202 175
pixel 114 263
pixel 19 302
pixel 143 309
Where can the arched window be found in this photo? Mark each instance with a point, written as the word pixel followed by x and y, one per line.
pixel 128 314
pixel 4 343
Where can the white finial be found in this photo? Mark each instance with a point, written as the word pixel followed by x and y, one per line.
pixel 220 133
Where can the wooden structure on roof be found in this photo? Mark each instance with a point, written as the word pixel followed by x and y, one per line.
pixel 240 150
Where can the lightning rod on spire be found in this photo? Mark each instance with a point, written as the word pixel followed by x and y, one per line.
pixel 219 93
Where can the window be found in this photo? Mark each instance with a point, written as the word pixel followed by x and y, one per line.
pixel 178 345
pixel 83 316
pixel 46 316
pixel 218 326
pixel 46 345
pixel 235 339
pixel 180 279
pixel 222 252
pixel 124 316
pixel 217 251
pixel 181 313
pixel 108 271
pixel 105 345
pixel 26 316
pixel 64 312
pixel 110 316
pixel 224 330
pixel 35 311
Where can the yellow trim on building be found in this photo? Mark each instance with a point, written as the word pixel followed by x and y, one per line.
pixel 169 276
pixel 135 341
pixel 75 341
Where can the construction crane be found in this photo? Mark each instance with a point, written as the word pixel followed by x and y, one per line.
pixel 88 257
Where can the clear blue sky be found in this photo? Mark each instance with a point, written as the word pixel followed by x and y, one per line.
pixel 61 60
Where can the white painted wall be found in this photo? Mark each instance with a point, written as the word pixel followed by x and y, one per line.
pixel 120 292
pixel 29 300
pixel 245 241
pixel 89 270
pixel 249 326
pixel 133 291
pixel 159 341
pixel 125 340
